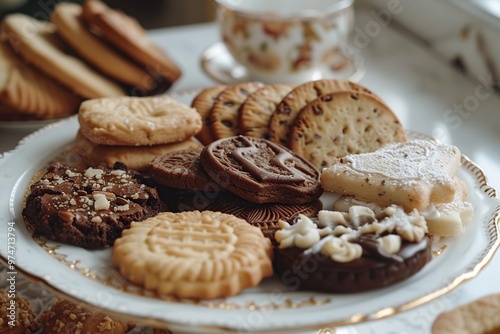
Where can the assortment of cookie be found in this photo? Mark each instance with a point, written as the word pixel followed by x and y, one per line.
pixel 86 51
pixel 206 220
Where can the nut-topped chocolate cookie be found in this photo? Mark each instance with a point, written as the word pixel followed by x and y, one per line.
pixel 89 208
pixel 261 171
pixel 352 252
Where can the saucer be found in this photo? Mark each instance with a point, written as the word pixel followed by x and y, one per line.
pixel 219 65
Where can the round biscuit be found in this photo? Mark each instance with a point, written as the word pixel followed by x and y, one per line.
pixel 203 103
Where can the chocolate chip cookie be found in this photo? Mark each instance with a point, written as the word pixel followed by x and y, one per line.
pixel 89 208
pixel 261 171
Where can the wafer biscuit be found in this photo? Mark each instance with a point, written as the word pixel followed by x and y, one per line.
pixel 38 44
pixel 194 254
pixel 413 174
pixel 137 121
pixel 341 123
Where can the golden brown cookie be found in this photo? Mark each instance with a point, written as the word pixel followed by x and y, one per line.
pixel 22 320
pixel 284 116
pixel 413 174
pixel 68 318
pixel 37 43
pixel 70 26
pixel 477 317
pixel 127 35
pixel 224 115
pixel 258 108
pixel 341 123
pixel 203 103
pixel 28 92
pixel 135 157
pixel 137 121
pixel 194 254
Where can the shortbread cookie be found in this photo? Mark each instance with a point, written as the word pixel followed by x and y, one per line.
pixel 261 171
pixel 341 123
pixel 258 108
pixel 70 26
pixel 65 317
pixel 264 216
pixel 194 254
pixel 134 157
pixel 477 317
pixel 224 116
pixel 352 252
pixel 412 174
pixel 22 320
pixel 203 103
pixel 88 208
pixel 126 34
pixel 283 117
pixel 38 44
pixel 443 219
pixel 27 91
pixel 137 121
pixel 180 169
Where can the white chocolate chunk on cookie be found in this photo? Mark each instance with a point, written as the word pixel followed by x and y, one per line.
pixel 194 254
pixel 412 174
pixel 137 121
pixel 443 219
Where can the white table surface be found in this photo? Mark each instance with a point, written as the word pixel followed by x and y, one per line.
pixel 412 81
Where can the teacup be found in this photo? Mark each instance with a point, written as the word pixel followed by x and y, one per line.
pixel 285 40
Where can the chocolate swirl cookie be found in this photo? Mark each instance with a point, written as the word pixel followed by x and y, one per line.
pixel 261 171
pixel 351 252
pixel 89 208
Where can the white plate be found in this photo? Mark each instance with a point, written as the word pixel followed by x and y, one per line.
pixel 26 125
pixel 89 278
pixel 219 65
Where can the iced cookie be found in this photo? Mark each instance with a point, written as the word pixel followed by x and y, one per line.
pixel 413 174
pixel 342 123
pixel 261 171
pixel 352 252
pixel 137 121
pixel 194 254
pixel 88 208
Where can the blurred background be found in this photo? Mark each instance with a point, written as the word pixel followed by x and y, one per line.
pixel 151 14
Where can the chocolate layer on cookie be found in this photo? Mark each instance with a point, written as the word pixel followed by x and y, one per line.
pixel 89 208
pixel 261 171
pixel 352 252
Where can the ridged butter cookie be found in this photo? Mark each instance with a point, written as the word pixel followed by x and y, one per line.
pixel 203 102
pixel 194 254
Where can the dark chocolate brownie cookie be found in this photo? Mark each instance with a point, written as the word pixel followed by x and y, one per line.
pixel 261 171
pixel 179 169
pixel 89 208
pixel 265 216
pixel 351 252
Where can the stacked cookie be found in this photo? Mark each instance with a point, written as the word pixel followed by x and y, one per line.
pixel 85 52
pixel 319 120
pixel 134 130
pixel 253 179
